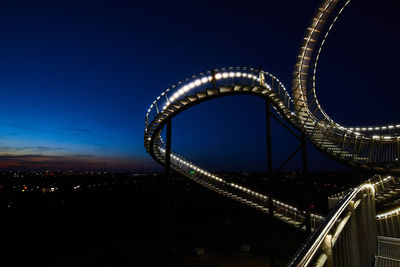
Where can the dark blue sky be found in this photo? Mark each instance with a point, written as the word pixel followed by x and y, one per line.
pixel 76 77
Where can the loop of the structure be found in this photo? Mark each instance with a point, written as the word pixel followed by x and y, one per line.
pixel 375 148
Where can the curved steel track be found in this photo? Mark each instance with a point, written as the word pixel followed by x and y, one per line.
pixel 374 148
pixel 369 148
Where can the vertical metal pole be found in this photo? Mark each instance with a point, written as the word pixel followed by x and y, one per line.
pixel 270 185
pixel 167 192
pixel 213 72
pixel 327 248
pixel 306 183
pixel 168 149
pixel 355 247
pixel 363 233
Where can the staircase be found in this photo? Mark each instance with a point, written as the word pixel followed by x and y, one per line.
pixel 388 252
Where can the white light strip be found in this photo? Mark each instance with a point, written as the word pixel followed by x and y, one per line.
pixel 388 214
pixel 239 187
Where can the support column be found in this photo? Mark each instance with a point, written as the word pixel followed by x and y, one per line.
pixel 387 227
pixel 371 216
pixel 167 197
pixel 397 219
pixel 168 149
pixel 354 244
pixel 306 183
pixel 328 251
pixel 363 232
pixel 270 185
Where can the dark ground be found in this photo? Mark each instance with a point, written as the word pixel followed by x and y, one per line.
pixel 122 223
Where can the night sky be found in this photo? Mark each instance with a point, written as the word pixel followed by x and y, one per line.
pixel 77 77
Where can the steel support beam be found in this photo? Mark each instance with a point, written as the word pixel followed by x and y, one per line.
pixel 306 183
pixel 168 149
pixel 270 183
pixel 290 157
pixel 167 195
pixel 286 127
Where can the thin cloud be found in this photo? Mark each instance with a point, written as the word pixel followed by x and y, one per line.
pixel 32 148
pixel 74 162
pixel 76 131
pixel 73 129
pixel 22 127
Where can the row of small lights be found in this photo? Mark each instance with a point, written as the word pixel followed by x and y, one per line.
pixel 193 167
pixel 317 59
pixel 384 137
pixel 198 82
pixel 218 76
pixel 244 189
pixel 339 195
pixel 204 80
pixel 393 212
pixel 396 211
pixel 307 38
pixel 351 129
pixel 376 137
pixel 274 201
pixel 323 41
pixel 384 180
pixel 382 128
pixel 248 191
pixel 357 130
pixel 317 216
pixel 389 213
pixel 301 63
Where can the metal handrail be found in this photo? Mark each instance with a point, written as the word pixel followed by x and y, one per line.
pixel 308 252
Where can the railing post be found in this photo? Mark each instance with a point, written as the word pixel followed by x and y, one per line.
pixel 373 227
pixel 355 255
pixel 327 248
pixel 168 149
pixel 379 226
pixel 387 228
pixel 362 227
pixel 270 185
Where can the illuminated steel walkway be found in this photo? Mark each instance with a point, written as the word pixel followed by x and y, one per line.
pixel 352 220
pixel 375 148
